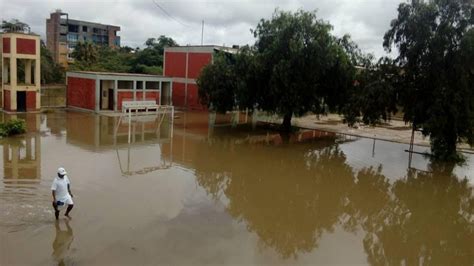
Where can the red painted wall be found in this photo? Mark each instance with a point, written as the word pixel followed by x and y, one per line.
pixel 81 93
pixel 193 97
pixel 139 96
pixel 6 45
pixel 6 100
pixel 197 61
pixel 153 95
pixel 175 64
pixel 25 46
pixel 30 100
pixel 121 96
pixel 178 94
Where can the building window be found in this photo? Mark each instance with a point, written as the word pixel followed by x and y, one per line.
pixel 73 28
pixel 84 28
pixel 71 46
pixel 72 37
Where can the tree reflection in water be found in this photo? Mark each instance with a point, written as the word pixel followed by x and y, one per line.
pixel 290 196
pixel 429 220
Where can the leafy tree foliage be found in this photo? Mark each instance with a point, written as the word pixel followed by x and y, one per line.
pixel 373 96
pixel 435 40
pixel 51 72
pixel 150 59
pixel 219 81
pixel 14 25
pixel 86 52
pixel 101 58
pixel 295 66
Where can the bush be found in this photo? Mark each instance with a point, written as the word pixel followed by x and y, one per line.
pixel 12 127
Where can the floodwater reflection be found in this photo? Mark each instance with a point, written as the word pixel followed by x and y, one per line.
pixel 218 190
pixel 290 199
pixel 62 242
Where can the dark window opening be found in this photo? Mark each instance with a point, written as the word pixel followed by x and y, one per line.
pixel 73 28
pixel 84 28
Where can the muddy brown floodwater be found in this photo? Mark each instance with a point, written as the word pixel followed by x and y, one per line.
pixel 215 190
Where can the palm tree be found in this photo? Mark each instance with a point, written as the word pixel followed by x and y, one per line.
pixel 86 52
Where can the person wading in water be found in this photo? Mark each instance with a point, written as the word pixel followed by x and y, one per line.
pixel 61 190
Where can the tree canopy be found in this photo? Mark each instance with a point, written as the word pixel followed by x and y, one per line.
pixel 14 25
pixel 51 72
pixel 295 66
pixel 435 41
pixel 102 58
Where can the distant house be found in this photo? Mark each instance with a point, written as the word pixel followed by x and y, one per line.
pixel 183 64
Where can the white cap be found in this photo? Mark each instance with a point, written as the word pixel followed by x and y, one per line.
pixel 62 171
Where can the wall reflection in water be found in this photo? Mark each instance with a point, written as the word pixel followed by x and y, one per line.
pixel 104 133
pixel 22 154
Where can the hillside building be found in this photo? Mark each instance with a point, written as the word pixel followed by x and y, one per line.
pixel 63 34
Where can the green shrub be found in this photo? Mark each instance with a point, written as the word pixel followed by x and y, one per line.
pixel 12 127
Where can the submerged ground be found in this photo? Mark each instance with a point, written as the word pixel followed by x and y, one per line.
pixel 215 190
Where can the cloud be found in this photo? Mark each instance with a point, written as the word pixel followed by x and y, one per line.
pixel 225 21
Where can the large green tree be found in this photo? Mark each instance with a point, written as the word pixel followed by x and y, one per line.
pixel 435 41
pixel 86 52
pixel 51 72
pixel 150 59
pixel 295 66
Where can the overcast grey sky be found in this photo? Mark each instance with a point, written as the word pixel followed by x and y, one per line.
pixel 226 21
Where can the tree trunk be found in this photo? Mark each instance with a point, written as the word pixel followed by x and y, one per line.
pixel 286 126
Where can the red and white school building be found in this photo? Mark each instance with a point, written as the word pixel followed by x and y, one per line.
pixel 105 91
pixel 184 64
pixel 21 72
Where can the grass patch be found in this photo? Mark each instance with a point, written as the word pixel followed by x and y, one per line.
pixel 12 127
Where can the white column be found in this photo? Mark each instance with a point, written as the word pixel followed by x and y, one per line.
pixel 134 90
pixel 97 95
pixel 13 82
pixel 115 94
pixel 37 81
pixel 161 89
pixel 13 71
pixel 38 65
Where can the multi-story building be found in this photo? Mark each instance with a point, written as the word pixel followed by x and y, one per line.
pixel 63 34
pixel 21 71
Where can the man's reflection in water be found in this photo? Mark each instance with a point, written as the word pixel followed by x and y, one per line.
pixel 62 242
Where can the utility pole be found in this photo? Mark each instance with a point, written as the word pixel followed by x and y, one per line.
pixel 202 32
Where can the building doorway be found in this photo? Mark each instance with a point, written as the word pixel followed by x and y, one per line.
pixel 111 99
pixel 21 101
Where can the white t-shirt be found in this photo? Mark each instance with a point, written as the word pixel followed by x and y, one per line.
pixel 60 186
